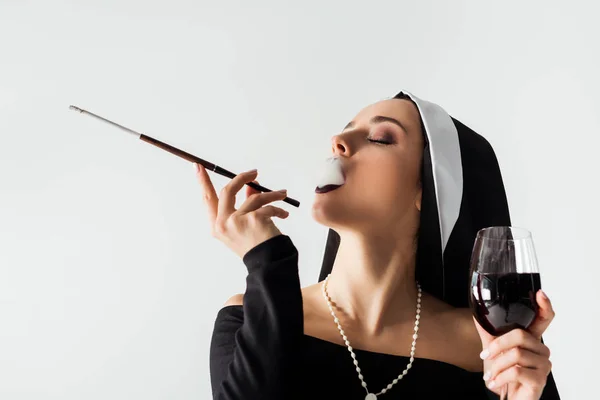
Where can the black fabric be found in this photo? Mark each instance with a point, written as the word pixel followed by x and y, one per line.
pixel 255 358
pixel 483 204
pixel 259 351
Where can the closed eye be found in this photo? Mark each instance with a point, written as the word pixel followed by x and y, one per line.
pixel 378 141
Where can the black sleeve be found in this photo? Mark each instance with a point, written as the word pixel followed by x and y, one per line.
pixel 253 347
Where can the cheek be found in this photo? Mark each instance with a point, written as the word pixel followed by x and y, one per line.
pixel 388 191
pixel 392 177
pixel 394 190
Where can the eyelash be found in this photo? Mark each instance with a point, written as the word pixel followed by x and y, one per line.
pixel 380 142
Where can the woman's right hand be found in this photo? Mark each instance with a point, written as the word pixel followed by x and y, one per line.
pixel 242 229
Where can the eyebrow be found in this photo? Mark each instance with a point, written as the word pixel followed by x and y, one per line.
pixel 379 119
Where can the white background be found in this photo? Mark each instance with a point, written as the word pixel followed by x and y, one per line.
pixel 109 279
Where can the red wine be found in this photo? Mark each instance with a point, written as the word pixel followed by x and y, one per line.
pixel 503 302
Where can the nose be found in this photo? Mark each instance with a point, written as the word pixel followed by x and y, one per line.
pixel 340 145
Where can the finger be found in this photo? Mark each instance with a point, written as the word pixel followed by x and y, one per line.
pixel 250 190
pixel 534 379
pixel 227 197
pixel 259 200
pixel 271 211
pixel 516 338
pixel 544 317
pixel 209 194
pixel 485 337
pixel 516 356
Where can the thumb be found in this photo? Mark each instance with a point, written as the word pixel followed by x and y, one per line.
pixel 250 191
pixel 544 317
pixel 485 337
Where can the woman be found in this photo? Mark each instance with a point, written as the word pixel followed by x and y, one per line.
pixel 389 319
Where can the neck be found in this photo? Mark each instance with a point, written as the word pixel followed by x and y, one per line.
pixel 373 281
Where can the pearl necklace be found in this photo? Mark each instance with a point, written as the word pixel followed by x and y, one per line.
pixel 373 396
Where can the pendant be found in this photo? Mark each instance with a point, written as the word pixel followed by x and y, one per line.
pixel 371 396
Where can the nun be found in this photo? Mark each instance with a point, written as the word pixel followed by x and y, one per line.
pixel 404 193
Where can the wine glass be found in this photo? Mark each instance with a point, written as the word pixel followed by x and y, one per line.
pixel 504 280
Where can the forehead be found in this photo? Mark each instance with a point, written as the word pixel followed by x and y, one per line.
pixel 402 110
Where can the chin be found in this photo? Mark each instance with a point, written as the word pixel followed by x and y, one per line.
pixel 365 216
pixel 335 216
pixel 327 212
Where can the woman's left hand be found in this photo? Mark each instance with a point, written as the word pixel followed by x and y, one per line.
pixel 519 358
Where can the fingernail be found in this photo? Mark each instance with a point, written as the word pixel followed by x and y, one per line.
pixel 544 294
pixel 253 170
pixel 491 384
pixel 486 376
pixel 484 354
pixel 282 191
